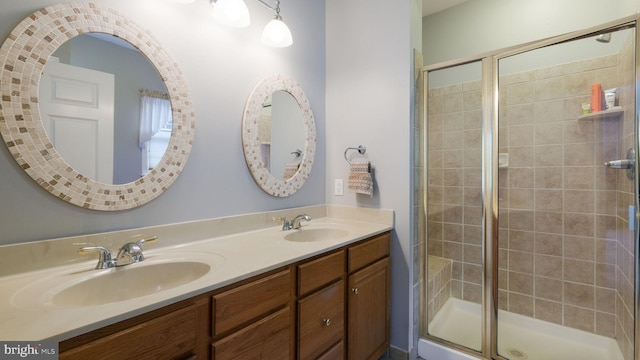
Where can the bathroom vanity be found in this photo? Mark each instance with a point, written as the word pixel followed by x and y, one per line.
pixel 322 308
pixel 320 292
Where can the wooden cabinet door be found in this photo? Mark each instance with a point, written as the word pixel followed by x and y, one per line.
pixel 369 306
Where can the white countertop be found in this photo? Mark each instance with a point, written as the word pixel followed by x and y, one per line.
pixel 27 314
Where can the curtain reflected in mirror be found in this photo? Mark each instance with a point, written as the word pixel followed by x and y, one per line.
pixel 155 127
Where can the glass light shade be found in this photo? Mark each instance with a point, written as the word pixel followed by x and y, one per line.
pixel 232 13
pixel 277 34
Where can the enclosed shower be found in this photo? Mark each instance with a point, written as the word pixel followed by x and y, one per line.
pixel 530 200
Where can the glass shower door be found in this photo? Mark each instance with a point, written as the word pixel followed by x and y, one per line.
pixel 565 237
pixel 454 206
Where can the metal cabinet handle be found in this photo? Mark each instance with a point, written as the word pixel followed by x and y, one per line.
pixel 326 322
pixel 355 291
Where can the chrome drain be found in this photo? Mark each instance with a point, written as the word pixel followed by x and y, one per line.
pixel 515 354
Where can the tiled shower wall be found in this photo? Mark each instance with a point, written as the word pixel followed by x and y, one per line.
pixel 562 213
pixel 565 251
pixel 454 199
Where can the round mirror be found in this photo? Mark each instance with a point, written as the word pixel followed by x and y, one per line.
pixel 279 136
pixel 105 108
pixel 23 57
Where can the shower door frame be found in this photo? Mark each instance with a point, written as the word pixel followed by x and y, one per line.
pixel 490 96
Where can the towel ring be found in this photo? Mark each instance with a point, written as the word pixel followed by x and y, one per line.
pixel 361 149
pixel 297 153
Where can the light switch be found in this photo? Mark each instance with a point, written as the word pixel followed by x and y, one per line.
pixel 338 188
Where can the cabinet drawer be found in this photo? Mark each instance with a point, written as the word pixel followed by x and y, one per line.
pixel 369 251
pixel 249 301
pixel 169 336
pixel 316 273
pixel 268 338
pixel 320 321
pixel 335 353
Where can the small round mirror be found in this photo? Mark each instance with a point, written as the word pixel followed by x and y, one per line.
pixel 279 136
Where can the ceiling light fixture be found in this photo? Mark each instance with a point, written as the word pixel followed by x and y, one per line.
pixel 276 33
pixel 234 13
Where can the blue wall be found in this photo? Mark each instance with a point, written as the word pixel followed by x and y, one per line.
pixel 221 66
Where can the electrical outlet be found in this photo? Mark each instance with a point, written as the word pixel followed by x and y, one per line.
pixel 338 188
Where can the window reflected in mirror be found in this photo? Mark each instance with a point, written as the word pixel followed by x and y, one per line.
pixel 155 127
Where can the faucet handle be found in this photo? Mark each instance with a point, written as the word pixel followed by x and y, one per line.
pixel 286 225
pixel 147 240
pixel 104 260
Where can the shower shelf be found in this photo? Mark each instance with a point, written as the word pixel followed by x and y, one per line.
pixel 613 113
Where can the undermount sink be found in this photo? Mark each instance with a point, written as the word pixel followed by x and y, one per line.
pixel 119 284
pixel 315 234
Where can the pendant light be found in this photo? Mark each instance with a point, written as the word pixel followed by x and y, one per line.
pixel 234 13
pixel 277 33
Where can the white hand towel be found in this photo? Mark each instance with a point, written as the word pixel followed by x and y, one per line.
pixel 289 171
pixel 360 179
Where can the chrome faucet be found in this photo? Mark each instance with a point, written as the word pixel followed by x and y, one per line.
pixel 295 223
pixel 129 253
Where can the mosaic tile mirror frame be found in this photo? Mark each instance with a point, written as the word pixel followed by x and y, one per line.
pixel 251 142
pixel 22 59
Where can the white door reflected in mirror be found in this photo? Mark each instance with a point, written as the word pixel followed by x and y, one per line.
pixel 76 105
